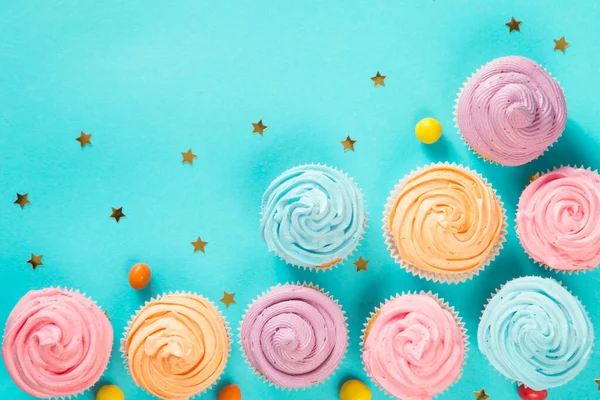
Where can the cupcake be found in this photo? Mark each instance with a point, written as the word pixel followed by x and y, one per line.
pixel 557 219
pixel 57 343
pixel 294 336
pixel 511 110
pixel 312 216
pixel 176 346
pixel 414 346
pixel 444 222
pixel 535 332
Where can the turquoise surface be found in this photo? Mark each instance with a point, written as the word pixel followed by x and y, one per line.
pixel 152 79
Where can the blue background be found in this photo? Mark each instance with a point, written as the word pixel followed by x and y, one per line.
pixel 152 79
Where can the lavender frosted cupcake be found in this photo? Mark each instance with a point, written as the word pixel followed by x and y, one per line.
pixel 511 110
pixel 312 216
pixel 294 336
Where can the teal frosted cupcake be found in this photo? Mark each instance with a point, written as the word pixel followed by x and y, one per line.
pixel 313 216
pixel 535 332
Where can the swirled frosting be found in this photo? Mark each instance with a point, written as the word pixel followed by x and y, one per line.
pixel 535 332
pixel 511 111
pixel 445 220
pixel 294 336
pixel 312 216
pixel 413 347
pixel 177 346
pixel 56 343
pixel 558 219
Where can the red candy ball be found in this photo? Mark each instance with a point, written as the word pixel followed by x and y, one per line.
pixel 526 393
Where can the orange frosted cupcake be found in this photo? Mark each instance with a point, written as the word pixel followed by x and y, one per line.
pixel 444 222
pixel 176 346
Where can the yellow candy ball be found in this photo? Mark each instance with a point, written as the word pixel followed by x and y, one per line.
pixel 428 130
pixel 355 390
pixel 110 392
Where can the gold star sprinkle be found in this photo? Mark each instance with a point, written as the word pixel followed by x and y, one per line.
pixel 598 383
pixel 199 245
pixel 561 44
pixel 22 200
pixel 481 395
pixel 188 157
pixel 361 264
pixel 35 261
pixel 259 127
pixel 348 143
pixel 117 213
pixel 228 299
pixel 106 314
pixel 534 177
pixel 378 79
pixel 513 24
pixel 84 139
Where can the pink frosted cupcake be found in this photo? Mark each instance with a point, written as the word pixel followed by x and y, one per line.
pixel 414 346
pixel 558 219
pixel 511 110
pixel 294 336
pixel 57 343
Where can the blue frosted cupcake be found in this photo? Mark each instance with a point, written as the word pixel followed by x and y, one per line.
pixel 312 216
pixel 535 332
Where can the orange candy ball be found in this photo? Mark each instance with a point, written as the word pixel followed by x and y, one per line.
pixel 230 392
pixel 139 276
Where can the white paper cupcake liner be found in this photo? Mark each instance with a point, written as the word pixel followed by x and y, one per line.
pixel 333 264
pixel 445 305
pixel 258 373
pixel 541 264
pixel 500 288
pixel 75 395
pixel 434 276
pixel 123 348
pixel 483 157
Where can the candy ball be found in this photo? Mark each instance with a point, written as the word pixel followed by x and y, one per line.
pixel 110 392
pixel 139 276
pixel 428 130
pixel 526 393
pixel 355 390
pixel 230 392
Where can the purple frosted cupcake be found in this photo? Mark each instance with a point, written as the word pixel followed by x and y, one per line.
pixel 294 336
pixel 511 111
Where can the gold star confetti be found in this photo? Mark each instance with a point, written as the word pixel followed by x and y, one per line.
pixel 106 314
pixel 361 264
pixel 348 143
pixel 598 383
pixel 228 299
pixel 84 139
pixel 35 261
pixel 259 127
pixel 378 79
pixel 199 245
pixel 188 157
pixel 533 177
pixel 22 200
pixel 481 395
pixel 561 44
pixel 117 213
pixel 514 25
